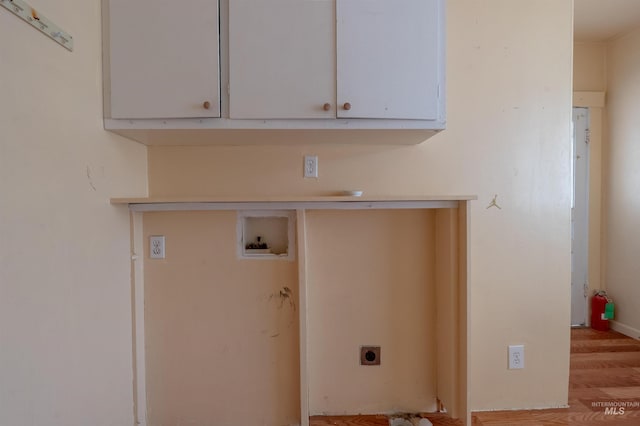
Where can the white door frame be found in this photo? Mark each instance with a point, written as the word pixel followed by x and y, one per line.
pixel 580 217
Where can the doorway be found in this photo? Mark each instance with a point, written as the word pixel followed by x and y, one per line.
pixel 580 218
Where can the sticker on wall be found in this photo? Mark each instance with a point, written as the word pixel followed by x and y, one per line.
pixel 31 16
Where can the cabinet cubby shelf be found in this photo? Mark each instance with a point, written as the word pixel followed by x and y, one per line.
pixel 449 216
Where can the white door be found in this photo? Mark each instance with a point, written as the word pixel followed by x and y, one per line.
pixel 282 59
pixel 164 58
pixel 580 217
pixel 387 58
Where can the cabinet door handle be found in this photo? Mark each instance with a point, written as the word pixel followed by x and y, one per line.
pixel 326 106
pixel 206 104
pixel 347 106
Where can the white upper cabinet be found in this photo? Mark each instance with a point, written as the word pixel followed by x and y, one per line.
pixel 388 59
pixel 197 72
pixel 335 58
pixel 163 59
pixel 282 59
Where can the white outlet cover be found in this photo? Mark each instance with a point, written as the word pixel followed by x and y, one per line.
pixel 516 357
pixel 311 166
pixel 156 247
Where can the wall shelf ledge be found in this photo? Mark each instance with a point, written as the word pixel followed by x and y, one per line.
pixel 329 202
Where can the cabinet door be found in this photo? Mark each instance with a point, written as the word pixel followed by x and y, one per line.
pixel 282 59
pixel 388 58
pixel 164 60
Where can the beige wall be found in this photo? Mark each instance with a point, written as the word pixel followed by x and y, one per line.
pixel 371 282
pixel 620 188
pixel 589 67
pixel 508 134
pixel 65 308
pixel 222 344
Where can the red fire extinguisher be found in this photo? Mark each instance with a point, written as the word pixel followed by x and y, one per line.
pixel 601 311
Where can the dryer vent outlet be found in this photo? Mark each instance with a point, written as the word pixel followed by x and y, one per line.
pixel 369 355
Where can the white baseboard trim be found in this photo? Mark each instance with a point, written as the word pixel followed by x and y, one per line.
pixel 625 329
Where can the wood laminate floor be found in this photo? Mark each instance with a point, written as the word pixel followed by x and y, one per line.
pixel 605 368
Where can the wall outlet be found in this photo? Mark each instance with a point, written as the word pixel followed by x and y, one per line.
pixel 156 247
pixel 311 166
pixel 516 357
pixel 369 355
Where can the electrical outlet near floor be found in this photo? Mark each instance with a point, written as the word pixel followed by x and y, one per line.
pixel 516 357
pixel 311 166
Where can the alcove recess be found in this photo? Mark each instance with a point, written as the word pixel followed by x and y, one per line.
pixel 266 234
pixel 360 268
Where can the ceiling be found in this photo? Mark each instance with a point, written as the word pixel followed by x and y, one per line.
pixel 600 20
